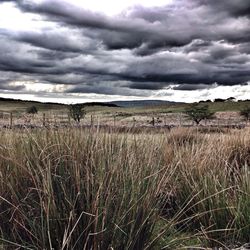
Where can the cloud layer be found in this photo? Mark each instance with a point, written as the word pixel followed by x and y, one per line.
pixel 188 45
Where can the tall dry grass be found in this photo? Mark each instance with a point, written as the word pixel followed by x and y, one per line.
pixel 79 189
pixel 212 183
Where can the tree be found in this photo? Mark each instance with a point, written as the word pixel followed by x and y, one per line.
pixel 198 113
pixel 77 112
pixel 219 100
pixel 32 110
pixel 231 99
pixel 245 113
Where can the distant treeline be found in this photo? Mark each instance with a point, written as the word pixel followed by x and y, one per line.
pixel 230 99
pixel 51 103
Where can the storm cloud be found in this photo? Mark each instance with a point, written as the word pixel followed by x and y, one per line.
pixel 191 45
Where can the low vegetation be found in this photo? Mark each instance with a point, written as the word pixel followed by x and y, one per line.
pixel 198 113
pixel 86 189
pixel 8 105
pixel 245 113
pixel 32 110
pixel 77 112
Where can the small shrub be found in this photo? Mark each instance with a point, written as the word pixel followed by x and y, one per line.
pixel 245 113
pixel 198 113
pixel 77 112
pixel 32 110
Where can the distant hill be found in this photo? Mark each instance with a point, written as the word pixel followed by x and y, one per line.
pixel 143 103
pixel 134 103
pixel 13 105
pixel 10 100
pixel 102 104
pixel 27 101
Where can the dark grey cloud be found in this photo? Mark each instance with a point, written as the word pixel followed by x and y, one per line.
pixel 235 8
pixel 147 85
pixel 109 88
pixel 57 40
pixel 173 25
pixel 50 55
pixel 190 87
pixel 191 44
pixel 53 41
pixel 7 86
pixel 148 23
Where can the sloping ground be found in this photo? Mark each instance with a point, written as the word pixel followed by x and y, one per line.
pixel 130 106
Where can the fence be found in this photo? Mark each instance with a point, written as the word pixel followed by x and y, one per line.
pixel 60 119
pixel 48 119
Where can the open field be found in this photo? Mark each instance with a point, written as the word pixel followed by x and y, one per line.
pixel 227 113
pixel 125 125
pixel 85 189
pixel 60 119
pixel 17 106
pixel 117 181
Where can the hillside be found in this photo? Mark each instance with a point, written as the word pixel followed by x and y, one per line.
pixel 143 106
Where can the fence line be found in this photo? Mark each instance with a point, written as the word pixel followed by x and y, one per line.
pixel 45 119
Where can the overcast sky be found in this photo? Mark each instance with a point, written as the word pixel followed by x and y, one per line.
pixel 77 51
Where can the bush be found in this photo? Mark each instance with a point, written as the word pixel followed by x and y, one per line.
pixel 245 113
pixel 32 110
pixel 219 100
pixel 77 112
pixel 198 113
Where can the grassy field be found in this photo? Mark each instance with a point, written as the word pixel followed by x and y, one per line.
pixel 173 114
pixel 17 106
pixel 86 189
pixel 21 106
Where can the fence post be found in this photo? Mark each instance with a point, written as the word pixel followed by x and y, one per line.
pixel 44 120
pixel 69 119
pixel 134 121
pixel 180 120
pixel 153 121
pixel 55 119
pixel 98 123
pixel 11 120
pixel 92 120
pixel 114 120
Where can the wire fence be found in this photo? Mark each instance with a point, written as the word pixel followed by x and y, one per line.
pixel 63 119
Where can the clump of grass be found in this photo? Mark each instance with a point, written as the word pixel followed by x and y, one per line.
pixel 74 190
pixel 209 130
pixel 213 187
pixel 90 189
pixel 183 136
